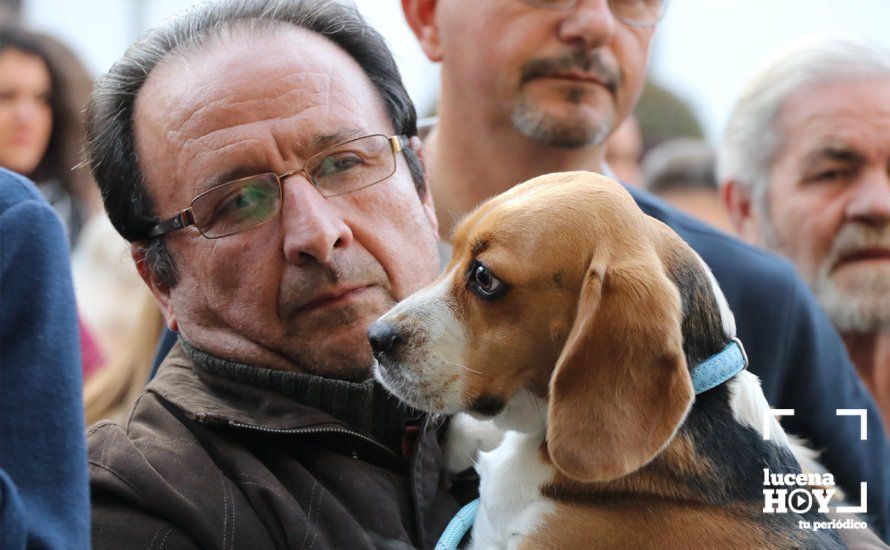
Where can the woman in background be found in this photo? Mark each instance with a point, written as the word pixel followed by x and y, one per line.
pixel 43 88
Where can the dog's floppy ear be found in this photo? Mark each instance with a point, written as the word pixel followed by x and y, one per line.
pixel 620 388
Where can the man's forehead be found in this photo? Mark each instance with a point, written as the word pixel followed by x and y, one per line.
pixel 240 104
pixel 228 81
pixel 839 135
pixel 840 115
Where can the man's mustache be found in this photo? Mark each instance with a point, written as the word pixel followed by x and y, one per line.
pixel 315 279
pixel 856 237
pixel 590 63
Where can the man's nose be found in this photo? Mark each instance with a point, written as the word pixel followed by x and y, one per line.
pixel 589 24
pixel 385 340
pixel 313 227
pixel 870 201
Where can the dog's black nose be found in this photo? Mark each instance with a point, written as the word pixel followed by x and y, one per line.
pixel 384 339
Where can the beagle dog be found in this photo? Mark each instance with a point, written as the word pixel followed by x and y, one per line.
pixel 573 320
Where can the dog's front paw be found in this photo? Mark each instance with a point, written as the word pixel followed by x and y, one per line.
pixel 466 436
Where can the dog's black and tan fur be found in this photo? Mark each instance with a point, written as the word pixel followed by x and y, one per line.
pixel 705 490
pixel 600 316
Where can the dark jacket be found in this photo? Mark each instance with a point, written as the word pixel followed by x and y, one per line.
pixel 798 355
pixel 205 461
pixel 44 497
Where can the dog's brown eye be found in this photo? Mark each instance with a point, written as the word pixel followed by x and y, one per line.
pixel 483 282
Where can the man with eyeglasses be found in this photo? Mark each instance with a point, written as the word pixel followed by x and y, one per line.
pixel 535 86
pixel 262 159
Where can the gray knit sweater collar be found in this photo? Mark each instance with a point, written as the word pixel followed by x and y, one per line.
pixel 365 407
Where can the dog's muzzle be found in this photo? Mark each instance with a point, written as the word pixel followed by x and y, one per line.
pixel 386 342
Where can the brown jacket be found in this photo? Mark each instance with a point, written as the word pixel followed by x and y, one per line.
pixel 211 463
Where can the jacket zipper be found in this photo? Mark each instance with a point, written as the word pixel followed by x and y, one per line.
pixel 295 431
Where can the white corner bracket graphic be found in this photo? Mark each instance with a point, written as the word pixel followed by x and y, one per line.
pixel 863 424
pixel 863 502
pixel 768 418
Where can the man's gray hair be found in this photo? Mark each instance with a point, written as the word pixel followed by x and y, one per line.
pixel 111 144
pixel 752 140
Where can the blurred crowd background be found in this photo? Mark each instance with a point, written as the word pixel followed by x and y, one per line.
pixel 704 52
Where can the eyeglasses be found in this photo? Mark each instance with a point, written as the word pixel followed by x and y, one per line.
pixel 245 203
pixel 636 13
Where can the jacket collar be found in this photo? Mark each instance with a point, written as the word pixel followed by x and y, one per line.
pixel 209 398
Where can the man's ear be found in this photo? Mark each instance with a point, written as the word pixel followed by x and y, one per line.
pixel 421 17
pixel 160 291
pixel 426 200
pixel 740 205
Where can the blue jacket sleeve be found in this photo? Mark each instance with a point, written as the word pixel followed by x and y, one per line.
pixel 799 357
pixel 44 495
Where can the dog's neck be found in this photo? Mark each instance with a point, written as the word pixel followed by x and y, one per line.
pixel 512 475
pixel 525 413
pixel 716 458
pixel 691 466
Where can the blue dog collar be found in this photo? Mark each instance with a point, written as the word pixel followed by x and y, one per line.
pixel 719 368
pixel 707 375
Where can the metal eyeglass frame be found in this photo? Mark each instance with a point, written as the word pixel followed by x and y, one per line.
pixel 185 217
pixel 569 4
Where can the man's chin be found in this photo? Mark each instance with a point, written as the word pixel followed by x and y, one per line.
pixel 337 362
pixel 339 350
pixel 856 300
pixel 563 125
pixel 861 279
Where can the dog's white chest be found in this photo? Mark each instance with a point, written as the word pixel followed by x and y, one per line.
pixel 511 505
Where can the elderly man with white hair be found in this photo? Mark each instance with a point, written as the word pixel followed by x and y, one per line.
pixel 805 168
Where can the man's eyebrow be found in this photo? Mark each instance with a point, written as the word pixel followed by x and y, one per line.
pixel 228 176
pixel 318 143
pixel 323 141
pixel 838 153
